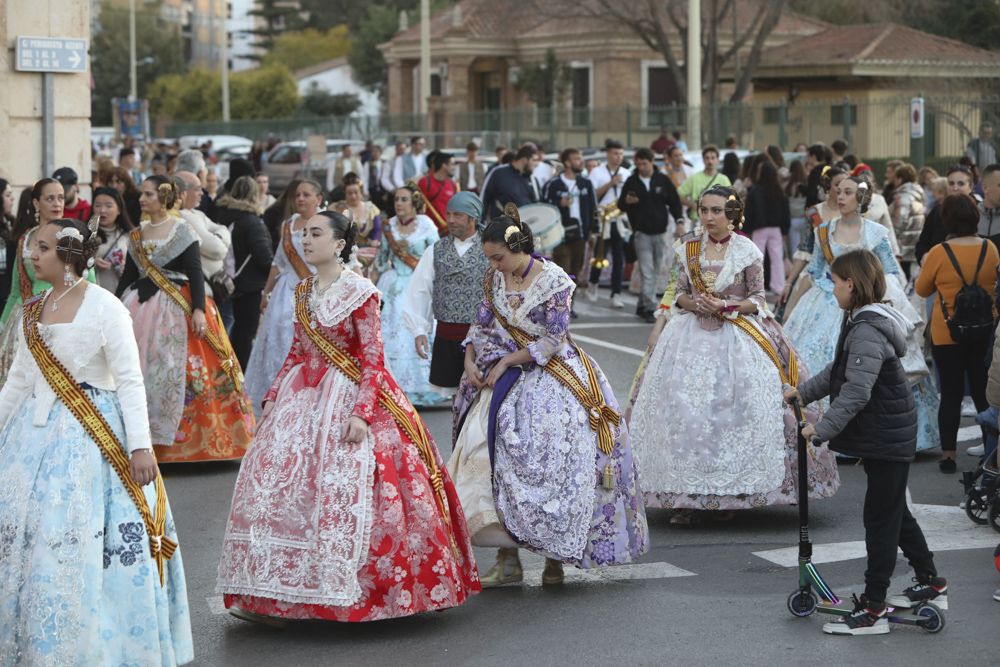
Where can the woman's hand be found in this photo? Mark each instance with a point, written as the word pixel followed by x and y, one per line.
pixel 785 293
pixel 792 394
pixel 264 300
pixel 499 368
pixel 423 346
pixel 268 408
pixel 102 264
pixel 472 372
pixel 143 467
pixel 355 430
pixel 809 432
pixel 199 323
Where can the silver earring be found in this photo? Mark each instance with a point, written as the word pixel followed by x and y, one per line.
pixel 68 279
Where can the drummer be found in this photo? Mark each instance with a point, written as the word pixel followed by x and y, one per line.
pixel 511 183
pixel 574 195
pixel 447 286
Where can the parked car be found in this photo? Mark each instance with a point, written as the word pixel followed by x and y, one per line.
pixel 290 159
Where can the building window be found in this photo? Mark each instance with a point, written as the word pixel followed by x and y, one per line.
pixel 581 95
pixel 837 114
pixel 660 97
pixel 772 115
pixel 436 85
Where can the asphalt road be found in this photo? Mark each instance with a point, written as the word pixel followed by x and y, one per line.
pixel 705 594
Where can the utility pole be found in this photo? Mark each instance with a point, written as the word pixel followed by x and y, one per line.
pixel 133 86
pixel 694 75
pixel 224 57
pixel 425 56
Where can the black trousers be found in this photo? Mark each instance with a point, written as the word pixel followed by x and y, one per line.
pixel 246 318
pixel 447 362
pixel 888 525
pixel 955 364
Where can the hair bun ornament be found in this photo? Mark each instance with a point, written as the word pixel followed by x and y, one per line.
pixel 90 262
pixel 511 232
pixel 734 209
pixel 95 221
pixel 69 232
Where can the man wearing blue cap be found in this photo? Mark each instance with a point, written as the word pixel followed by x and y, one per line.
pixel 447 287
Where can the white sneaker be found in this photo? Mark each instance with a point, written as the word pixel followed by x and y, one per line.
pixel 591 293
pixel 616 301
pixel 977 450
pixel 996 595
pixel 968 407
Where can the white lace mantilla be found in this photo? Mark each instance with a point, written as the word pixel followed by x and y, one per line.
pixel 546 284
pixel 333 306
pixel 741 253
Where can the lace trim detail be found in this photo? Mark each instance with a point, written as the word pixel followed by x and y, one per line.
pixel 742 253
pixel 343 298
pixel 547 284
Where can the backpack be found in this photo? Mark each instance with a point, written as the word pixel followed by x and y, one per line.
pixel 972 319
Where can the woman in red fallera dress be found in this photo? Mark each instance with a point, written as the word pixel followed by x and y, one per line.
pixel 343 509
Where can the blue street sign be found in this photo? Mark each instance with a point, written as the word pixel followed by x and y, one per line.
pixel 51 54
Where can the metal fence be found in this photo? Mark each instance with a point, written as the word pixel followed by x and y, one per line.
pixel 874 128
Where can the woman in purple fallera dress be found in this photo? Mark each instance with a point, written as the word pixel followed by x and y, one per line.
pixel 536 416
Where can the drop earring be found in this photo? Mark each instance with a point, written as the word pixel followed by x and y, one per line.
pixel 68 279
pixel 731 227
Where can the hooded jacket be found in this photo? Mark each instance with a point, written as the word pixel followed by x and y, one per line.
pixel 872 413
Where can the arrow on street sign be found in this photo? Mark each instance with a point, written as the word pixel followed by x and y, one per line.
pixel 51 54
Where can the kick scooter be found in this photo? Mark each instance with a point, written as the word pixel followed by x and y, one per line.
pixel 803 601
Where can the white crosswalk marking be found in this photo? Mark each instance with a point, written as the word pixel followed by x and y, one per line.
pixel 946 529
pixel 603 343
pixel 533 577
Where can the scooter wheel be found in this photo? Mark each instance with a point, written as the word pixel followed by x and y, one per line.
pixel 802 603
pixel 994 513
pixel 931 618
pixel 977 505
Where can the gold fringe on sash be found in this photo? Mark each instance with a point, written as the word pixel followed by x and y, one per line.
pixel 298 264
pixel 602 417
pixel 401 414
pixel 161 547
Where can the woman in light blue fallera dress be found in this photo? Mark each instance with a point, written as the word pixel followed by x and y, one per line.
pixel 814 325
pixel 78 584
pixel 411 233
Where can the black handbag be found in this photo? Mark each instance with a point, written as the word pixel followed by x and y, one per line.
pixel 222 283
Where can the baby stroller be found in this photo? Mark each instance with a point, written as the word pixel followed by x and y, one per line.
pixel 982 487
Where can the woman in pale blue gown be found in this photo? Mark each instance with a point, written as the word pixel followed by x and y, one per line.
pixel 274 337
pixel 79 584
pixel 814 325
pixel 404 239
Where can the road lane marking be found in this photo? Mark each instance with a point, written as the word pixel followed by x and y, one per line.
pixel 946 528
pixel 610 346
pixel 533 577
pixel 606 325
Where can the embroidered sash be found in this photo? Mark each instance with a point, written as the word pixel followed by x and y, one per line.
pixel 24 282
pixel 294 258
pixel 221 346
pixel 601 415
pixel 791 377
pixel 823 236
pixel 403 415
pixel 405 257
pixel 66 388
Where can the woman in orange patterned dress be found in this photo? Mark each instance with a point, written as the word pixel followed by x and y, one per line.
pixel 198 410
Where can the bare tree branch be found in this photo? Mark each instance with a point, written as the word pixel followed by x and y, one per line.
pixel 773 12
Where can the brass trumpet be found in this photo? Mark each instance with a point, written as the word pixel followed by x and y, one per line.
pixel 605 214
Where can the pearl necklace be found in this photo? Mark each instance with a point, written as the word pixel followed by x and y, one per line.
pixel 160 223
pixel 55 301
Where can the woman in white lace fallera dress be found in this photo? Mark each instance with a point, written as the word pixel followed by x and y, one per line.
pixel 88 575
pixel 709 425
pixel 274 337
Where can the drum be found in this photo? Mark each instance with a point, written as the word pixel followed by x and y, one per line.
pixel 545 223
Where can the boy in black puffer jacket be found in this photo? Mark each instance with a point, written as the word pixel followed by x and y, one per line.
pixel 872 416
